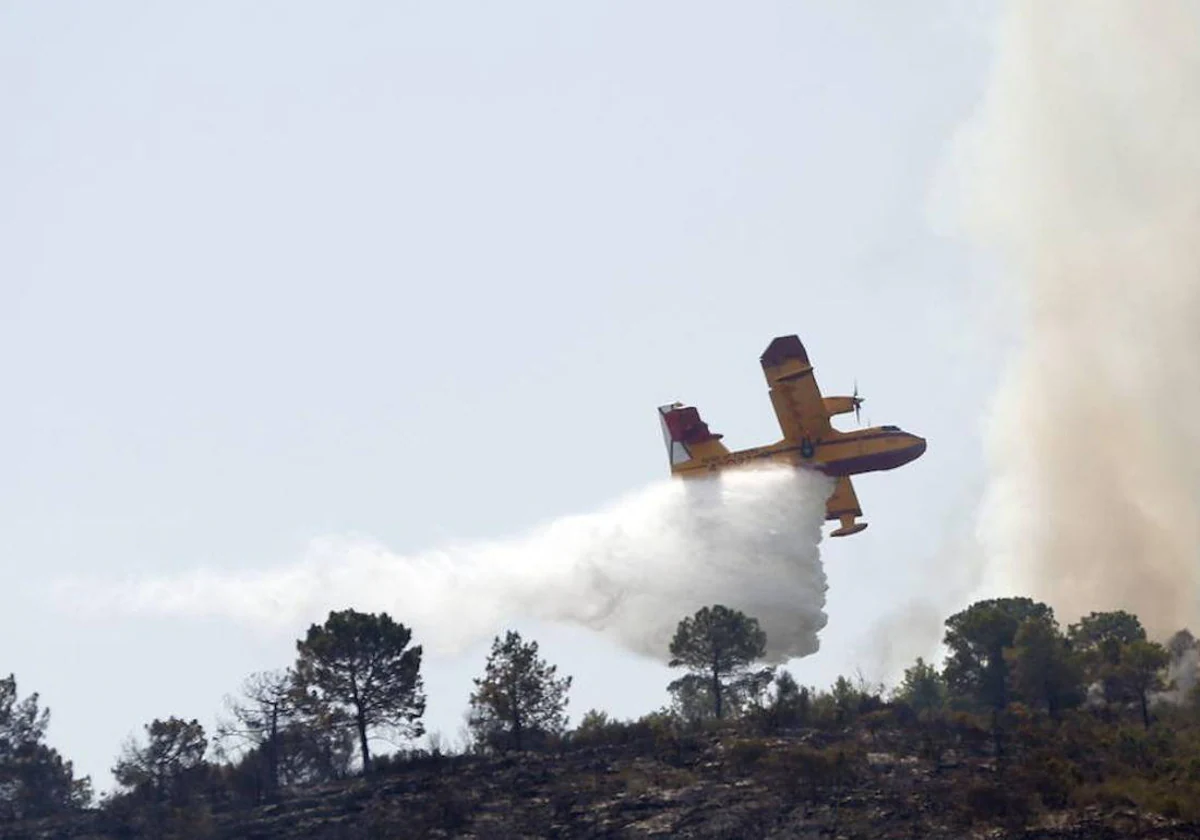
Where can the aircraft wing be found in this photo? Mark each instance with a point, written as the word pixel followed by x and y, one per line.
pixel 843 501
pixel 794 392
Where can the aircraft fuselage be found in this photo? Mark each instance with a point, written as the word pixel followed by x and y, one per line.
pixel 840 454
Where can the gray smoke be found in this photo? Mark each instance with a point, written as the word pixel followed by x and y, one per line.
pixel 1181 675
pixel 1083 172
pixel 748 539
pixel 1182 668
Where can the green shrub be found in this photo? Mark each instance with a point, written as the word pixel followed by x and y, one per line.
pixel 598 729
pixel 1177 800
pixel 802 771
pixel 745 753
pixel 991 801
pixel 1046 777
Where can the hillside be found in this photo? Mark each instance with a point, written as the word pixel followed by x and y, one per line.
pixel 1027 730
pixel 870 780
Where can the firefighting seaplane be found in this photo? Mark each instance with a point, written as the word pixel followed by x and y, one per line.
pixel 809 439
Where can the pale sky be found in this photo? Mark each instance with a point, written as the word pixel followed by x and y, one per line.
pixel 422 272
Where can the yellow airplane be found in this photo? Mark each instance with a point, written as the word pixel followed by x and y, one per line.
pixel 809 439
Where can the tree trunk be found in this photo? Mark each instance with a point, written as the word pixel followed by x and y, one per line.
pixel 717 692
pixel 1145 711
pixel 716 675
pixel 362 740
pixel 997 739
pixel 273 755
pixel 514 698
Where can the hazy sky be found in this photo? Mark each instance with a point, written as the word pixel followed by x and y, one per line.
pixel 422 272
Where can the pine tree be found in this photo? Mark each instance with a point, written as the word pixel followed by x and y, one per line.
pixel 519 699
pixel 359 667
pixel 719 645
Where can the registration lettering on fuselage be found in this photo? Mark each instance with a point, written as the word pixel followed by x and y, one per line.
pixel 737 458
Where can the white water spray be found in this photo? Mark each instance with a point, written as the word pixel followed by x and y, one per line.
pixel 748 540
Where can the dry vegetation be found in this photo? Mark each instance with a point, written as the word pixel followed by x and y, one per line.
pixel 1026 731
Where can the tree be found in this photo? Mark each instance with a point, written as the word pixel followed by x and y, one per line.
pixel 1116 654
pixel 976 669
pixel 519 696
pixel 45 785
pixel 846 699
pixel 593 727
pixel 305 755
pixel 166 766
pixel 1185 659
pixel 1141 672
pixel 20 721
pixel 719 644
pixel 1045 673
pixel 312 752
pixel 269 707
pixel 979 638
pixel 1182 644
pixel 1098 639
pixel 693 700
pixel 35 781
pixel 789 704
pixel 360 666
pixel 922 688
pixel 1105 633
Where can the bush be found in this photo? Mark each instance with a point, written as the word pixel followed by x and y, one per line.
pixel 598 729
pixel 800 770
pixel 745 753
pixel 1176 800
pixel 970 731
pixel 402 761
pixel 991 801
pixel 1047 777
pixel 444 807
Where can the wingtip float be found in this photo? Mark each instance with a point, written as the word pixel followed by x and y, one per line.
pixel 809 439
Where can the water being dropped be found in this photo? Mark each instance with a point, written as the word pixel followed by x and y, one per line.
pixel 748 539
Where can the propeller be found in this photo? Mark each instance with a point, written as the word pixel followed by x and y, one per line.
pixel 858 401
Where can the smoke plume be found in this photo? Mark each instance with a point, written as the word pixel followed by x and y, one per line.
pixel 748 539
pixel 1083 171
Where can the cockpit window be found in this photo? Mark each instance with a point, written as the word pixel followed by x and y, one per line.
pixel 890 428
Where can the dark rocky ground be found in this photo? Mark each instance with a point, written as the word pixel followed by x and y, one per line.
pixel 709 786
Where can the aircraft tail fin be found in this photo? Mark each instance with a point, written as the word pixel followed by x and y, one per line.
pixel 686 436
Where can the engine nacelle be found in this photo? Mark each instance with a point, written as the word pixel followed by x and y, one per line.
pixel 838 405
